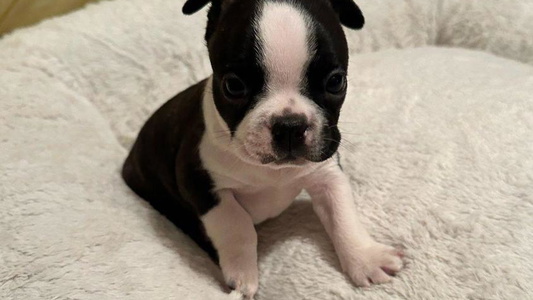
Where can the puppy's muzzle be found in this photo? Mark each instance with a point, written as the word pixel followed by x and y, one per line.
pixel 289 135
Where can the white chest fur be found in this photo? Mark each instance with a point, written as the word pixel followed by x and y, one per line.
pixel 267 203
pixel 264 192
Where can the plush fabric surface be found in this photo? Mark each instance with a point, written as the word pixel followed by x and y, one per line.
pixel 438 145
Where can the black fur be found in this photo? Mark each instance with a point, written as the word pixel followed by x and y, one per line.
pixel 192 6
pixel 164 165
pixel 241 59
pixel 349 13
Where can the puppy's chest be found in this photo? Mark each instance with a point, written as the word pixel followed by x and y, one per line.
pixel 266 203
pixel 263 196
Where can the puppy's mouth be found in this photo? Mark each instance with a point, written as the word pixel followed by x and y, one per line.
pixel 289 159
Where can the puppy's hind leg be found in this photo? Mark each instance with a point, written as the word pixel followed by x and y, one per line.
pixel 232 232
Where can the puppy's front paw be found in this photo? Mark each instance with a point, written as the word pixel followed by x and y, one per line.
pixel 372 265
pixel 241 275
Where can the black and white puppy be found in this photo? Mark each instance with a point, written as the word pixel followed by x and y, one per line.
pixel 238 147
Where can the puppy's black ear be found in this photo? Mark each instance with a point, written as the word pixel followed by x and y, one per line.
pixel 349 13
pixel 192 6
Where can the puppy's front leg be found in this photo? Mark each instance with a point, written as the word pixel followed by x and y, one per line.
pixel 232 232
pixel 363 259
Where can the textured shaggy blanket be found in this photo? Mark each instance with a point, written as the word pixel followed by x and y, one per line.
pixel 438 146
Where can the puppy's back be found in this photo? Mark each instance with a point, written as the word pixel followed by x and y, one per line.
pixel 150 169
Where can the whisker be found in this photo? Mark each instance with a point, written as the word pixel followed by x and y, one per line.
pixel 341 130
pixel 342 143
pixel 348 133
pixel 349 143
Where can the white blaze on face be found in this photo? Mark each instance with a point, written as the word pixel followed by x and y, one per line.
pixel 283 32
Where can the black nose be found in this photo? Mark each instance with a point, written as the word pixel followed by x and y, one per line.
pixel 288 133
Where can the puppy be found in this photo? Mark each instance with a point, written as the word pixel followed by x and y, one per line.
pixel 237 148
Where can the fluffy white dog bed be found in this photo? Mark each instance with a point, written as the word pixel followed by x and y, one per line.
pixel 439 147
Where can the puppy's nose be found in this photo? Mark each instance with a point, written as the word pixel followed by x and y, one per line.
pixel 288 133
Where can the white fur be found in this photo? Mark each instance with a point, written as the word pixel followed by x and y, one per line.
pixel 232 233
pixel 284 32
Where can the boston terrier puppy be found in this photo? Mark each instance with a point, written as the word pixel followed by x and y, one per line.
pixel 236 148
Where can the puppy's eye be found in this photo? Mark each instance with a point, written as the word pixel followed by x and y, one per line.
pixel 336 83
pixel 234 87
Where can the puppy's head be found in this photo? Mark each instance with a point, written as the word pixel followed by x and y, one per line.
pixel 279 74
